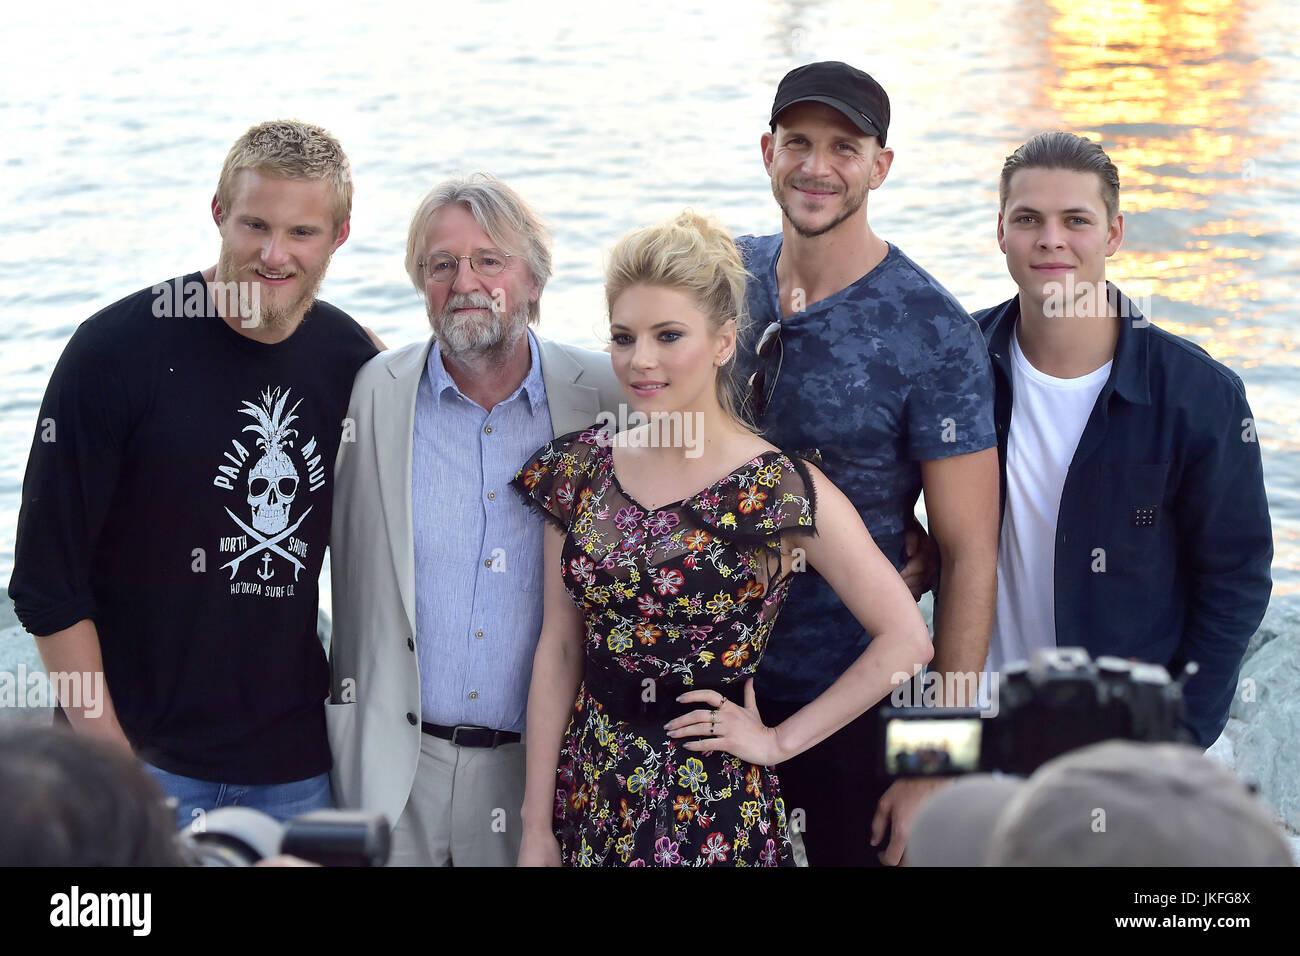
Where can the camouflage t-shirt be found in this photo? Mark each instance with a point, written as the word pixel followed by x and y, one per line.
pixel 885 374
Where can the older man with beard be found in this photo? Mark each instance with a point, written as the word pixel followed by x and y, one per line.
pixel 177 502
pixel 436 565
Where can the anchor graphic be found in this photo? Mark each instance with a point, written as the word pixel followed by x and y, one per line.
pixel 266 573
pixel 266 544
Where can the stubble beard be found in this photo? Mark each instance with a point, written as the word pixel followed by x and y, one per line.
pixel 778 193
pixel 470 338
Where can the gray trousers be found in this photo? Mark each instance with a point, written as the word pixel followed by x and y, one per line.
pixel 464 807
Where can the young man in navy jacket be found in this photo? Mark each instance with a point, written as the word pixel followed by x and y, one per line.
pixel 1134 517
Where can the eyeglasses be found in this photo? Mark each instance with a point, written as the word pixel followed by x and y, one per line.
pixel 443 266
pixel 759 393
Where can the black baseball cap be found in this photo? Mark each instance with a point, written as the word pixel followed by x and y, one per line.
pixel 849 90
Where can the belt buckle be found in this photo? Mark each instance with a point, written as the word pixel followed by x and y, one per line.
pixel 459 727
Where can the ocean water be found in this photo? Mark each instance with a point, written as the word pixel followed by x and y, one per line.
pixel 609 116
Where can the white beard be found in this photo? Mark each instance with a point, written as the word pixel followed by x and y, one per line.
pixel 467 337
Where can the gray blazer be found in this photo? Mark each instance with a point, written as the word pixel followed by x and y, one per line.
pixel 373 715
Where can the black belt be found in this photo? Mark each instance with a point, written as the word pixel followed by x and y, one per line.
pixel 463 736
pixel 624 695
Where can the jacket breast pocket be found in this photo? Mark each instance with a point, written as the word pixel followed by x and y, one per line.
pixel 1133 520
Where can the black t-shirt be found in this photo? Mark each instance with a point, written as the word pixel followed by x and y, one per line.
pixel 178 494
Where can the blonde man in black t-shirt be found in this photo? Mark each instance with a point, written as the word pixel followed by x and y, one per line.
pixel 177 499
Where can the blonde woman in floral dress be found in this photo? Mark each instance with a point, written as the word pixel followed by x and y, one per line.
pixel 669 551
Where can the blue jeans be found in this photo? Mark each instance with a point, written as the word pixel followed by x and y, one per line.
pixel 283 801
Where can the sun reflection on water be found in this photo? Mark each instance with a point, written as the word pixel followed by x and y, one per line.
pixel 1170 91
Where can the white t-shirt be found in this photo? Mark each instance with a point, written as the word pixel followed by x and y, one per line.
pixel 1048 416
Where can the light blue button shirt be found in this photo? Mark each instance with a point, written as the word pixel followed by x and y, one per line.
pixel 478 548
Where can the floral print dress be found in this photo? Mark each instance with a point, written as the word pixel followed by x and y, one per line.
pixel 672 598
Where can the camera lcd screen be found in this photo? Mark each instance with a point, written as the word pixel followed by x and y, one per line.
pixel 920 747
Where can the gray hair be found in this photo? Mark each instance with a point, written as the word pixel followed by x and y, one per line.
pixel 502 214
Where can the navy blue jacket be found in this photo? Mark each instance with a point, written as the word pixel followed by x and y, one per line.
pixel 1163 541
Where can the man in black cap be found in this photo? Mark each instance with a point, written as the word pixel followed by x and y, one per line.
pixel 859 353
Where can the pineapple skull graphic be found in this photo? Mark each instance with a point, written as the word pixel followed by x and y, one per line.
pixel 273 479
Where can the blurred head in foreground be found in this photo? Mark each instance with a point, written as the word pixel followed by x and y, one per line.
pixel 1117 803
pixel 70 801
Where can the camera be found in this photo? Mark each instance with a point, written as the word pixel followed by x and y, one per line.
pixel 238 836
pixel 1059 701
